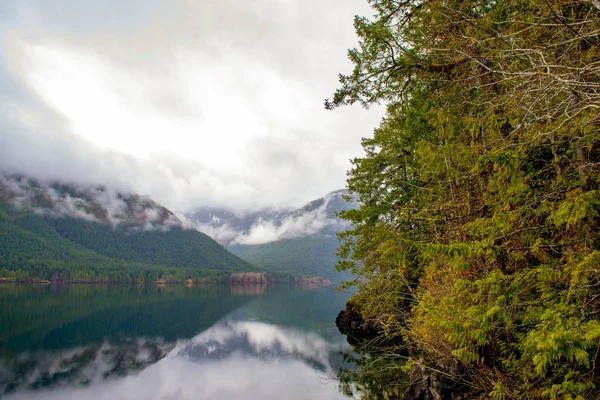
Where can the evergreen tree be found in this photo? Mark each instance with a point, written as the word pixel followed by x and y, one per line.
pixel 477 236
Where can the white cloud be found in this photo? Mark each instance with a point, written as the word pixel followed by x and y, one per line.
pixel 222 233
pixel 93 204
pixel 293 226
pixel 194 103
pixel 272 228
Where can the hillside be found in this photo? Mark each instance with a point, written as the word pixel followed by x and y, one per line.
pixel 307 256
pixel 302 241
pixel 62 232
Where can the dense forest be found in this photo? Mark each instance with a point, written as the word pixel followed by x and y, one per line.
pixel 46 248
pixel 306 256
pixel 477 237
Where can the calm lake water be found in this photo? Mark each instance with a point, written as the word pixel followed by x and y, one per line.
pixel 171 342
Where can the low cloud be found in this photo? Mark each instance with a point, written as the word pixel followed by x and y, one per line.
pixel 292 227
pixel 223 234
pixel 277 226
pixel 193 103
pixel 92 204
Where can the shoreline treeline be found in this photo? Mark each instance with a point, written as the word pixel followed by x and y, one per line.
pixel 477 240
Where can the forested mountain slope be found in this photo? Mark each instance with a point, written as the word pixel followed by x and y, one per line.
pixel 303 241
pixel 77 232
pixel 307 256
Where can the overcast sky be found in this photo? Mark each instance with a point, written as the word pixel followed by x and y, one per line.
pixel 207 102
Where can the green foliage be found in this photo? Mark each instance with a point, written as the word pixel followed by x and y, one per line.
pixel 175 247
pixel 478 231
pixel 308 256
pixel 42 249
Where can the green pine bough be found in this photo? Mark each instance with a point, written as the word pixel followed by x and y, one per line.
pixel 476 242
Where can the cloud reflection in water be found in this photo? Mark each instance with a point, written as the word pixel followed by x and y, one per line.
pixel 231 360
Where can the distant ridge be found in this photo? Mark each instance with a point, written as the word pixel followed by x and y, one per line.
pixel 61 232
pixel 301 241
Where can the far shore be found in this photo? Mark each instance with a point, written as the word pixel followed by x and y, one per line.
pixel 310 282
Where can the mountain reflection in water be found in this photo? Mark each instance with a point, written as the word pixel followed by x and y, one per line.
pixel 256 351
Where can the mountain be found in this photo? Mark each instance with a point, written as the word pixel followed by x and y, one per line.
pixel 62 232
pixel 301 241
pixel 226 226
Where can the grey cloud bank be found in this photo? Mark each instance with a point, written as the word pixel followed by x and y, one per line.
pixel 92 204
pixel 271 225
pixel 191 102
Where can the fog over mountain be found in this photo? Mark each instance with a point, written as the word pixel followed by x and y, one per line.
pixel 176 104
pixel 216 103
pixel 302 241
pixel 53 231
pixel 90 203
pixel 270 225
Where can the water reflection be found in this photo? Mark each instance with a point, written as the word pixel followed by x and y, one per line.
pixel 260 340
pixel 268 343
pixel 79 366
pixel 248 290
pixel 239 360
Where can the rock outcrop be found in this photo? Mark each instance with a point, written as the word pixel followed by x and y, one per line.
pixel 357 330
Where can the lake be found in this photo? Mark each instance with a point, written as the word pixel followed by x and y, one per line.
pixel 170 342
